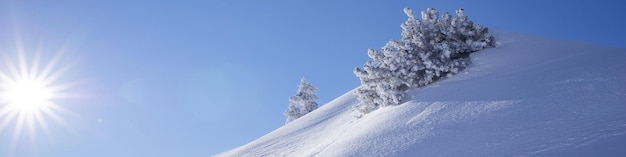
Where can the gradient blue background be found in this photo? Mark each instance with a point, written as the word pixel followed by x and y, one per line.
pixel 195 78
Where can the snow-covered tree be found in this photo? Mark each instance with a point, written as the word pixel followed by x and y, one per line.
pixel 430 49
pixel 303 102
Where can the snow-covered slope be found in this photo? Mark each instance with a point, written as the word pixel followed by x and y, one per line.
pixel 530 96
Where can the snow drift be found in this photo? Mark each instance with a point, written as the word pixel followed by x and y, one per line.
pixel 529 96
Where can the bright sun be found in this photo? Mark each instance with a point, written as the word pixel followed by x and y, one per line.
pixel 26 94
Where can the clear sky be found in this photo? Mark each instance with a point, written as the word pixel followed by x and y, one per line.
pixel 195 78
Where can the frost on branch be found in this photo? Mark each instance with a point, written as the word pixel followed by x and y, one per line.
pixel 435 47
pixel 303 102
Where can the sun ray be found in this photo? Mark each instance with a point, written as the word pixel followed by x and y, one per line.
pixel 34 68
pixel 52 63
pixel 53 111
pixel 23 67
pixel 31 124
pixel 17 132
pixel 54 76
pixel 10 116
pixel 65 95
pixel 13 70
pixel 42 123
pixel 47 69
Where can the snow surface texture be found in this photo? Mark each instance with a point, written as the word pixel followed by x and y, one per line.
pixel 529 96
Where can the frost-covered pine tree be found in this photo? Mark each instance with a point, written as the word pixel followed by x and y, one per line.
pixel 303 102
pixel 432 48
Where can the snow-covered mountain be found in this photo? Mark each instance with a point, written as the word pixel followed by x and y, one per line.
pixel 529 96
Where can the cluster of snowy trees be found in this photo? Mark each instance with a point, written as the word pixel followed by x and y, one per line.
pixel 303 102
pixel 432 48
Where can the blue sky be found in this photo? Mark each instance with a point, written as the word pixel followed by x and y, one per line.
pixel 195 78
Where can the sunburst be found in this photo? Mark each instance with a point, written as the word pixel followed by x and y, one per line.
pixel 27 91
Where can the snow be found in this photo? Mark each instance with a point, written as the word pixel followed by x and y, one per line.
pixel 529 96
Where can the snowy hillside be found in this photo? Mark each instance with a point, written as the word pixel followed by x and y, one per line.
pixel 529 96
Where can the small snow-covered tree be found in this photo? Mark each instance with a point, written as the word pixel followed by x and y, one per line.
pixel 432 48
pixel 303 102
